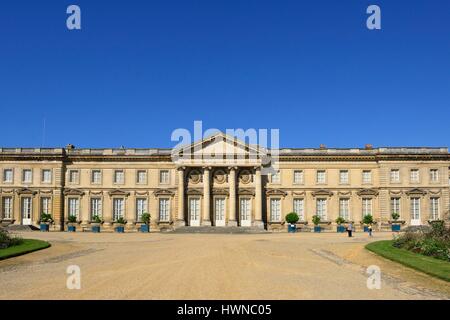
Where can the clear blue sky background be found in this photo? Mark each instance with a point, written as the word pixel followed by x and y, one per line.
pixel 139 69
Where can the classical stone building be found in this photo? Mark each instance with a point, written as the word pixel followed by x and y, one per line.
pixel 221 182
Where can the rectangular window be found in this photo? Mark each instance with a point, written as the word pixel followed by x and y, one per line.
pixel 367 176
pixel 395 175
pixel 27 176
pixel 46 176
pixel 276 177
pixel 414 175
pixel 74 176
pixel 299 208
pixel 74 207
pixel 395 205
pixel 321 176
pixel 164 176
pixel 298 177
pixel 366 206
pixel 343 176
pixel 434 175
pixel 7 208
pixel 46 205
pixel 321 208
pixel 434 208
pixel 96 207
pixel 141 176
pixel 164 209
pixel 119 177
pixel 8 175
pixel 415 209
pixel 96 176
pixel 275 209
pixel 344 208
pixel 118 208
pixel 141 207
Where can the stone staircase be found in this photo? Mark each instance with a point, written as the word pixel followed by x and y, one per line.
pixel 17 227
pixel 219 230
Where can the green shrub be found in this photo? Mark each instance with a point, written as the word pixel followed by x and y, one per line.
pixel 46 217
pixel 7 241
pixel 292 217
pixel 434 243
pixel 146 218
pixel 97 219
pixel 340 220
pixel 368 219
pixel 316 219
pixel 72 219
pixel 121 220
pixel 395 216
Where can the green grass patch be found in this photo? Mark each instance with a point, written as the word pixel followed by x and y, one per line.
pixel 28 245
pixel 429 265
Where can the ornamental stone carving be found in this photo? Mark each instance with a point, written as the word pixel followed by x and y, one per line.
pixel 220 176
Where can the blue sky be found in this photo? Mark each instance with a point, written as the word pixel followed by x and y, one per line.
pixel 137 70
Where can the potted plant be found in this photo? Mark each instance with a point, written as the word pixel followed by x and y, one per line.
pixel 291 219
pixel 145 218
pixel 367 219
pixel 395 226
pixel 316 221
pixel 340 220
pixel 95 223
pixel 72 225
pixel 45 221
pixel 120 225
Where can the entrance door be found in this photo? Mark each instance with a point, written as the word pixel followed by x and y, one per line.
pixel 245 212
pixel 219 212
pixel 415 212
pixel 26 210
pixel 194 212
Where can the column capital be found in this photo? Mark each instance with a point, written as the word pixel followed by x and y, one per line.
pixel 207 168
pixel 232 168
pixel 181 168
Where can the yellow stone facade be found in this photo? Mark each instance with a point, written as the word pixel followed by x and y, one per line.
pixel 217 192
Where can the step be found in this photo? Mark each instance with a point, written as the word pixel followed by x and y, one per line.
pixel 219 230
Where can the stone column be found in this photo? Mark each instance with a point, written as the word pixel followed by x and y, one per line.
pixel 180 216
pixel 232 208
pixel 206 197
pixel 107 210
pixel 258 199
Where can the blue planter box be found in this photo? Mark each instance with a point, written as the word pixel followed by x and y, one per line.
pixel 317 229
pixel 145 228
pixel 95 229
pixel 292 228
pixel 366 229
pixel 120 229
pixel 340 229
pixel 44 227
pixel 71 228
pixel 395 227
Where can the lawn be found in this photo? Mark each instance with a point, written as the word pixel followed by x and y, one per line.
pixel 429 265
pixel 28 245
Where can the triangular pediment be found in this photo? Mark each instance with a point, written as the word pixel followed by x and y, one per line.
pixel 25 191
pixel 118 192
pixel 219 149
pixel 322 192
pixel 367 192
pixel 73 192
pixel 416 191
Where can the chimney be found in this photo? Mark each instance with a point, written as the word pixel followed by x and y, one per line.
pixel 322 146
pixel 70 147
pixel 368 147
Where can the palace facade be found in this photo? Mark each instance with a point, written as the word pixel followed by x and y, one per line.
pixel 221 181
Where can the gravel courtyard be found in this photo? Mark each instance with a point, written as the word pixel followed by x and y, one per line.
pixel 210 266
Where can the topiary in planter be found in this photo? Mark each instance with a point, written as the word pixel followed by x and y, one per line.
pixel 316 221
pixel 146 220
pixel 395 226
pixel 95 224
pixel 72 223
pixel 340 220
pixel 367 219
pixel 121 225
pixel 45 221
pixel 291 219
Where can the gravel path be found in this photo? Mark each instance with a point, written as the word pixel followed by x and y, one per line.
pixel 210 266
